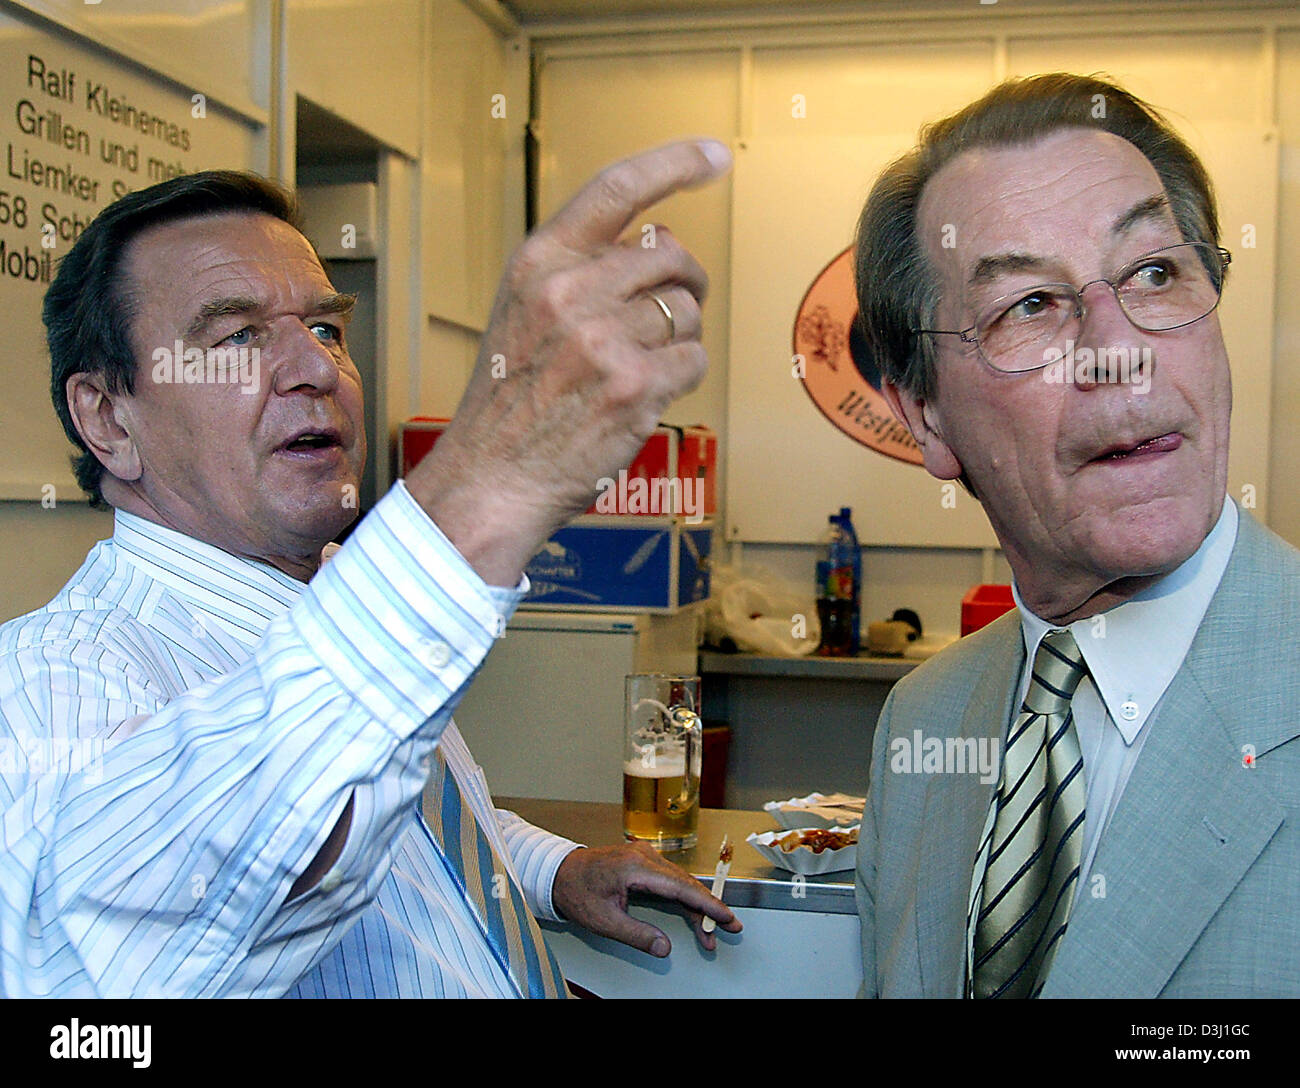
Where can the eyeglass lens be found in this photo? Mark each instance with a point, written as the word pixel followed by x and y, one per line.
pixel 1160 291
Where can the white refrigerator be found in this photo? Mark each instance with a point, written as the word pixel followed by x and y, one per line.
pixel 544 716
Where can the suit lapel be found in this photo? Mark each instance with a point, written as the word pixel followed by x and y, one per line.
pixel 1190 823
pixel 1192 819
pixel 955 809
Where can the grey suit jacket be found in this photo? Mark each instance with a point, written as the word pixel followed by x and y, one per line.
pixel 1200 865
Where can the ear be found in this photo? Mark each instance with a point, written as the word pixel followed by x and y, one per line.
pixel 104 423
pixel 921 417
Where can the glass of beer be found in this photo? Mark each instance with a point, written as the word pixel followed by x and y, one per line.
pixel 664 740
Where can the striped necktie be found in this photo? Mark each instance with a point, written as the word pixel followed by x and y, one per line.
pixel 498 905
pixel 1028 870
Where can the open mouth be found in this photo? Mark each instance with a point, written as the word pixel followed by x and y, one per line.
pixel 1164 443
pixel 311 443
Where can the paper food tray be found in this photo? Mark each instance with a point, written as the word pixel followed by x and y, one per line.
pixel 793 813
pixel 802 860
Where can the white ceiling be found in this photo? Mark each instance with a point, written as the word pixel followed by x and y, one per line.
pixel 533 12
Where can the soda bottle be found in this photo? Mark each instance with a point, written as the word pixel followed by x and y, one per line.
pixel 839 588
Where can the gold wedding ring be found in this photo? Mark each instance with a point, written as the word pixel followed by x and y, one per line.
pixel 672 325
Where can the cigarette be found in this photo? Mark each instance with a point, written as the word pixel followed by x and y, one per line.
pixel 719 879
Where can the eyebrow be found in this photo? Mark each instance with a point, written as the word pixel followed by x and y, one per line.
pixel 988 269
pixel 1154 207
pixel 336 303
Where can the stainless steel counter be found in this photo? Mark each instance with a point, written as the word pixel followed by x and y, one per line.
pixel 752 882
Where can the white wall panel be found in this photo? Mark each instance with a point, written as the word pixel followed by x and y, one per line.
pixel 867 88
pixel 362 60
pixel 475 115
pixel 595 110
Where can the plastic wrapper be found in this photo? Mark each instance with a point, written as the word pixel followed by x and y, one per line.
pixel 760 614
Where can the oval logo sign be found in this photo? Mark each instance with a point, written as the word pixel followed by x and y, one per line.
pixel 838 372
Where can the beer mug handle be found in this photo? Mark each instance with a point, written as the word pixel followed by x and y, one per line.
pixel 688 722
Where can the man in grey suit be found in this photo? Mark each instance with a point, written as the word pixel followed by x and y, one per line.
pixel 1038 280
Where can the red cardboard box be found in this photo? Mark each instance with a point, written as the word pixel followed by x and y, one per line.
pixel 983 604
pixel 697 458
pixel 415 438
pixel 675 474
pixel 687 455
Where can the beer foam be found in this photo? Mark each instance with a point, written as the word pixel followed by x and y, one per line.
pixel 664 766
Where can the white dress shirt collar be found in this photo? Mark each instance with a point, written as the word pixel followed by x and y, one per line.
pixel 1134 649
pixel 240 594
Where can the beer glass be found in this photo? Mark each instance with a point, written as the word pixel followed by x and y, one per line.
pixel 663 742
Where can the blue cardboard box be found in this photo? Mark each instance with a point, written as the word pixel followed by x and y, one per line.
pixel 622 564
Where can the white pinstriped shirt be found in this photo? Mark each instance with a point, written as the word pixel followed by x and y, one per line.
pixel 180 730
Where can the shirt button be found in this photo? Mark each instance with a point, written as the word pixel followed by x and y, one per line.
pixel 1129 711
pixel 330 881
pixel 435 654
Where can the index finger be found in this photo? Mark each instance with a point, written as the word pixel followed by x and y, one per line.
pixel 690 893
pixel 602 209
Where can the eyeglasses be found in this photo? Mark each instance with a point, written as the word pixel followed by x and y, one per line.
pixel 1164 290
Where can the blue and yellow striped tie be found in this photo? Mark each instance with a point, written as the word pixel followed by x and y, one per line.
pixel 497 903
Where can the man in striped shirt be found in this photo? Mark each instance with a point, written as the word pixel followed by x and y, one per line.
pixel 216 747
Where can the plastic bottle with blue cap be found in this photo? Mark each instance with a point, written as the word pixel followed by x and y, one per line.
pixel 839 588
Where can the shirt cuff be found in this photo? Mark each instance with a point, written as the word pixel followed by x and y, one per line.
pixel 545 906
pixel 400 618
pixel 536 855
pixel 508 597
